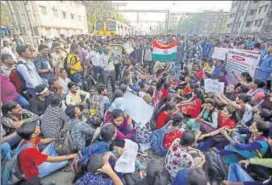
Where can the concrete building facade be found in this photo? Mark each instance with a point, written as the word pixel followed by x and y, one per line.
pixel 250 17
pixel 48 18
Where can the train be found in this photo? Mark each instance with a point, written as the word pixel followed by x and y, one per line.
pixel 113 27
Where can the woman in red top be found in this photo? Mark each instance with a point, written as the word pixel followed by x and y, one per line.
pixel 165 90
pixel 32 161
pixel 192 107
pixel 164 113
pixel 171 136
pixel 224 121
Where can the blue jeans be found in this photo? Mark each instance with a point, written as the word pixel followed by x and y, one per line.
pixel 47 168
pixel 5 151
pixel 77 78
pixel 98 70
pixel 14 141
pixel 237 174
pixel 22 101
pixel 177 70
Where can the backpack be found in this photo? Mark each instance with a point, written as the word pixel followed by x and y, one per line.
pixel 156 140
pixel 65 66
pixel 17 79
pixel 11 173
pixel 64 144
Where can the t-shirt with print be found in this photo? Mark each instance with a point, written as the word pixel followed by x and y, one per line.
pixel 30 159
pixel 177 159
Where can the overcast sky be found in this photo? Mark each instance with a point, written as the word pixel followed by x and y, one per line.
pixel 173 6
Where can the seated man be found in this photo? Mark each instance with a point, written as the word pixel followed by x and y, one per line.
pixel 74 96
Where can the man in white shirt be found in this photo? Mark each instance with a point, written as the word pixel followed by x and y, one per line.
pixel 95 60
pixel 63 80
pixel 108 69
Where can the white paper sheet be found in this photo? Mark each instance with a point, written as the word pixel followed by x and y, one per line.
pixel 137 109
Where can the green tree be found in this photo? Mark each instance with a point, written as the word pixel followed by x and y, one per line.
pixel 99 10
pixel 5 17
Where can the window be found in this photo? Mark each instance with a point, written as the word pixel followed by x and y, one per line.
pixel 260 21
pixel 265 7
pixel 239 24
pixel 43 10
pixel 55 12
pixel 72 16
pixel 255 23
pixel 64 15
pixel 260 9
pixel 243 13
pixel 79 18
pixel 252 12
pixel 248 24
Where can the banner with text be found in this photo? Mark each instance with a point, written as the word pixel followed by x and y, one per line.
pixel 220 53
pixel 239 61
pixel 213 86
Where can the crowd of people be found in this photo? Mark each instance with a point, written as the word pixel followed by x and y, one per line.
pixel 59 113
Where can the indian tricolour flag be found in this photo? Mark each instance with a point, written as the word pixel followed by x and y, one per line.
pixel 162 52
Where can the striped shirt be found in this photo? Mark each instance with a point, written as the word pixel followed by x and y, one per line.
pixel 52 121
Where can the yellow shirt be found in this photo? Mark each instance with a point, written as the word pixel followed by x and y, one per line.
pixel 74 60
pixel 209 69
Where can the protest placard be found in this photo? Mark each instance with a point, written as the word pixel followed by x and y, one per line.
pixel 213 86
pixel 128 48
pixel 239 61
pixel 137 108
pixel 220 53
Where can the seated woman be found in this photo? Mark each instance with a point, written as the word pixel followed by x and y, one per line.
pixel 215 138
pixel 100 145
pixel 182 155
pixel 106 175
pixel 116 104
pixel 207 121
pixel 242 105
pixel 81 133
pixel 13 117
pixel 123 123
pixel 34 163
pixel 54 118
pixel 256 147
pixel 163 114
pixel 192 107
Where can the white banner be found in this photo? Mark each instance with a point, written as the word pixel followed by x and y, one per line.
pixel 220 53
pixel 137 108
pixel 128 48
pixel 213 86
pixel 239 61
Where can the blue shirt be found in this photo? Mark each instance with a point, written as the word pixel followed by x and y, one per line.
pixel 29 73
pixel 216 72
pixel 265 69
pixel 43 63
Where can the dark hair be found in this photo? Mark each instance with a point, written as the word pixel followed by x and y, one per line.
pixel 107 132
pixel 70 111
pixel 126 73
pixel 8 107
pixel 71 84
pixel 56 99
pixel 142 84
pixel 123 88
pixel 257 45
pixel 41 47
pixel 259 83
pixel 188 138
pixel 198 93
pixel 166 85
pixel 247 76
pixel 21 49
pixel 266 114
pixel 164 100
pixel 26 130
pixel 73 47
pixel 5 57
pixel 263 127
pixel 169 106
pixel 116 113
pixel 244 97
pixel 126 80
pixel 101 88
pixel 197 176
pixel 210 101
pixel 117 94
pixel 177 119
